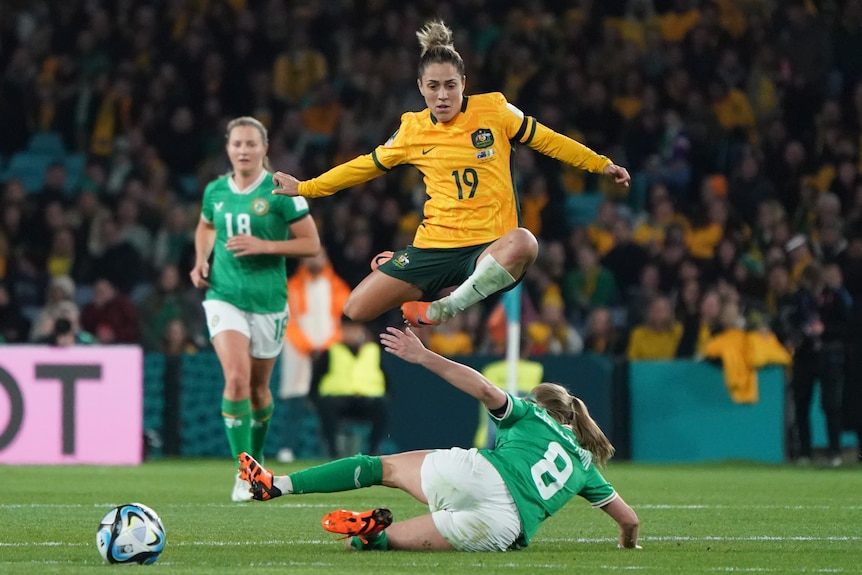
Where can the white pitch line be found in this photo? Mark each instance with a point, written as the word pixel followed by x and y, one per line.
pixel 384 565
pixel 656 506
pixel 582 540
pixel 782 507
pixel 758 538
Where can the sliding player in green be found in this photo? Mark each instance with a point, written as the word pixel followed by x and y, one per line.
pixel 547 451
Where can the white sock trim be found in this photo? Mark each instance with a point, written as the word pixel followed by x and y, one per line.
pixel 284 483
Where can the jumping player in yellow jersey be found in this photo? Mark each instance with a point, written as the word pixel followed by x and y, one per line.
pixel 470 235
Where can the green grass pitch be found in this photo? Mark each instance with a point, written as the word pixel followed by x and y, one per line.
pixel 723 518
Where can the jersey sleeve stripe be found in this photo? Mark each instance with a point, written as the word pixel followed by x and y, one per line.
pixel 522 129
pixel 505 412
pixel 605 501
pixel 377 162
pixel 532 131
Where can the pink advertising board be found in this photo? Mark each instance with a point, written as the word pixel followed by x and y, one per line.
pixel 74 405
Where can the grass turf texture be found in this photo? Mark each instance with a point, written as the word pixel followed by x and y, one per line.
pixel 694 519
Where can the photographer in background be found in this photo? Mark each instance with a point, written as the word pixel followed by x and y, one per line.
pixel 66 330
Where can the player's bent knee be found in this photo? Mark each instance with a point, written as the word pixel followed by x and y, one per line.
pixel 356 312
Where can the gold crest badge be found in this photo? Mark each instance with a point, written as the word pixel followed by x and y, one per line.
pixel 260 206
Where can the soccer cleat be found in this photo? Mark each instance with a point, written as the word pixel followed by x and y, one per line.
pixel 415 314
pixel 241 490
pixel 381 258
pixel 352 524
pixel 261 480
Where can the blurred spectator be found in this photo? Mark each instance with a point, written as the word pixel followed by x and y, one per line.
pixel 600 231
pixel 658 337
pixel 65 329
pixel 589 285
pixel 673 254
pixel 670 164
pixel 176 340
pixel 688 313
pixel 643 294
pixel 551 332
pixel 60 295
pixel 316 301
pixel 111 317
pixel 298 69
pixel 119 262
pixel 723 263
pixel 626 259
pixel 174 242
pixel 601 335
pixel 348 383
pixel 14 327
pixel 166 301
pixel 799 256
pixel 451 338
pixel 749 187
pixel 817 331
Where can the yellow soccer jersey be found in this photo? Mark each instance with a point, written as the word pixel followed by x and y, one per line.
pixel 467 168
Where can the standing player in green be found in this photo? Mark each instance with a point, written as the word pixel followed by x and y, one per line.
pixel 547 451
pixel 248 232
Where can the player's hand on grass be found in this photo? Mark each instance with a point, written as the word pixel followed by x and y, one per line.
pixel 287 184
pixel 200 274
pixel 403 344
pixel 619 174
pixel 246 245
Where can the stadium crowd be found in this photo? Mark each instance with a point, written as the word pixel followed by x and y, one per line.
pixel 739 120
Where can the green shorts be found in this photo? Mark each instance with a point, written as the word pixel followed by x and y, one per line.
pixel 433 269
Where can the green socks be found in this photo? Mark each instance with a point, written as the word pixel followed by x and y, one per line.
pixel 488 278
pixel 377 542
pixel 341 475
pixel 260 420
pixel 237 425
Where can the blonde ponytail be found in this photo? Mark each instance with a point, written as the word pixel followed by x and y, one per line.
pixel 589 434
pixel 570 411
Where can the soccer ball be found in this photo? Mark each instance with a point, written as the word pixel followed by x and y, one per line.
pixel 131 533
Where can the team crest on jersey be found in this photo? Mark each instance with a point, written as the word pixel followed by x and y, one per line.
pixel 259 206
pixel 482 138
pixel 401 261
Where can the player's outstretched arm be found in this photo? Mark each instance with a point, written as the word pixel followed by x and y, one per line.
pixel 204 241
pixel 351 173
pixel 286 185
pixel 407 346
pixel 628 521
pixel 619 174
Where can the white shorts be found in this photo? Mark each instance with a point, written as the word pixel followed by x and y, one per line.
pixel 265 331
pixel 469 502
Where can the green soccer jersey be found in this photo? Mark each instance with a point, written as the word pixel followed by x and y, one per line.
pixel 256 283
pixel 543 465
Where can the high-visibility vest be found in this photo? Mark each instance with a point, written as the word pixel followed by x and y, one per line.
pixel 351 374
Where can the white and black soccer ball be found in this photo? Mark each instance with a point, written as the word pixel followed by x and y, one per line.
pixel 131 533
